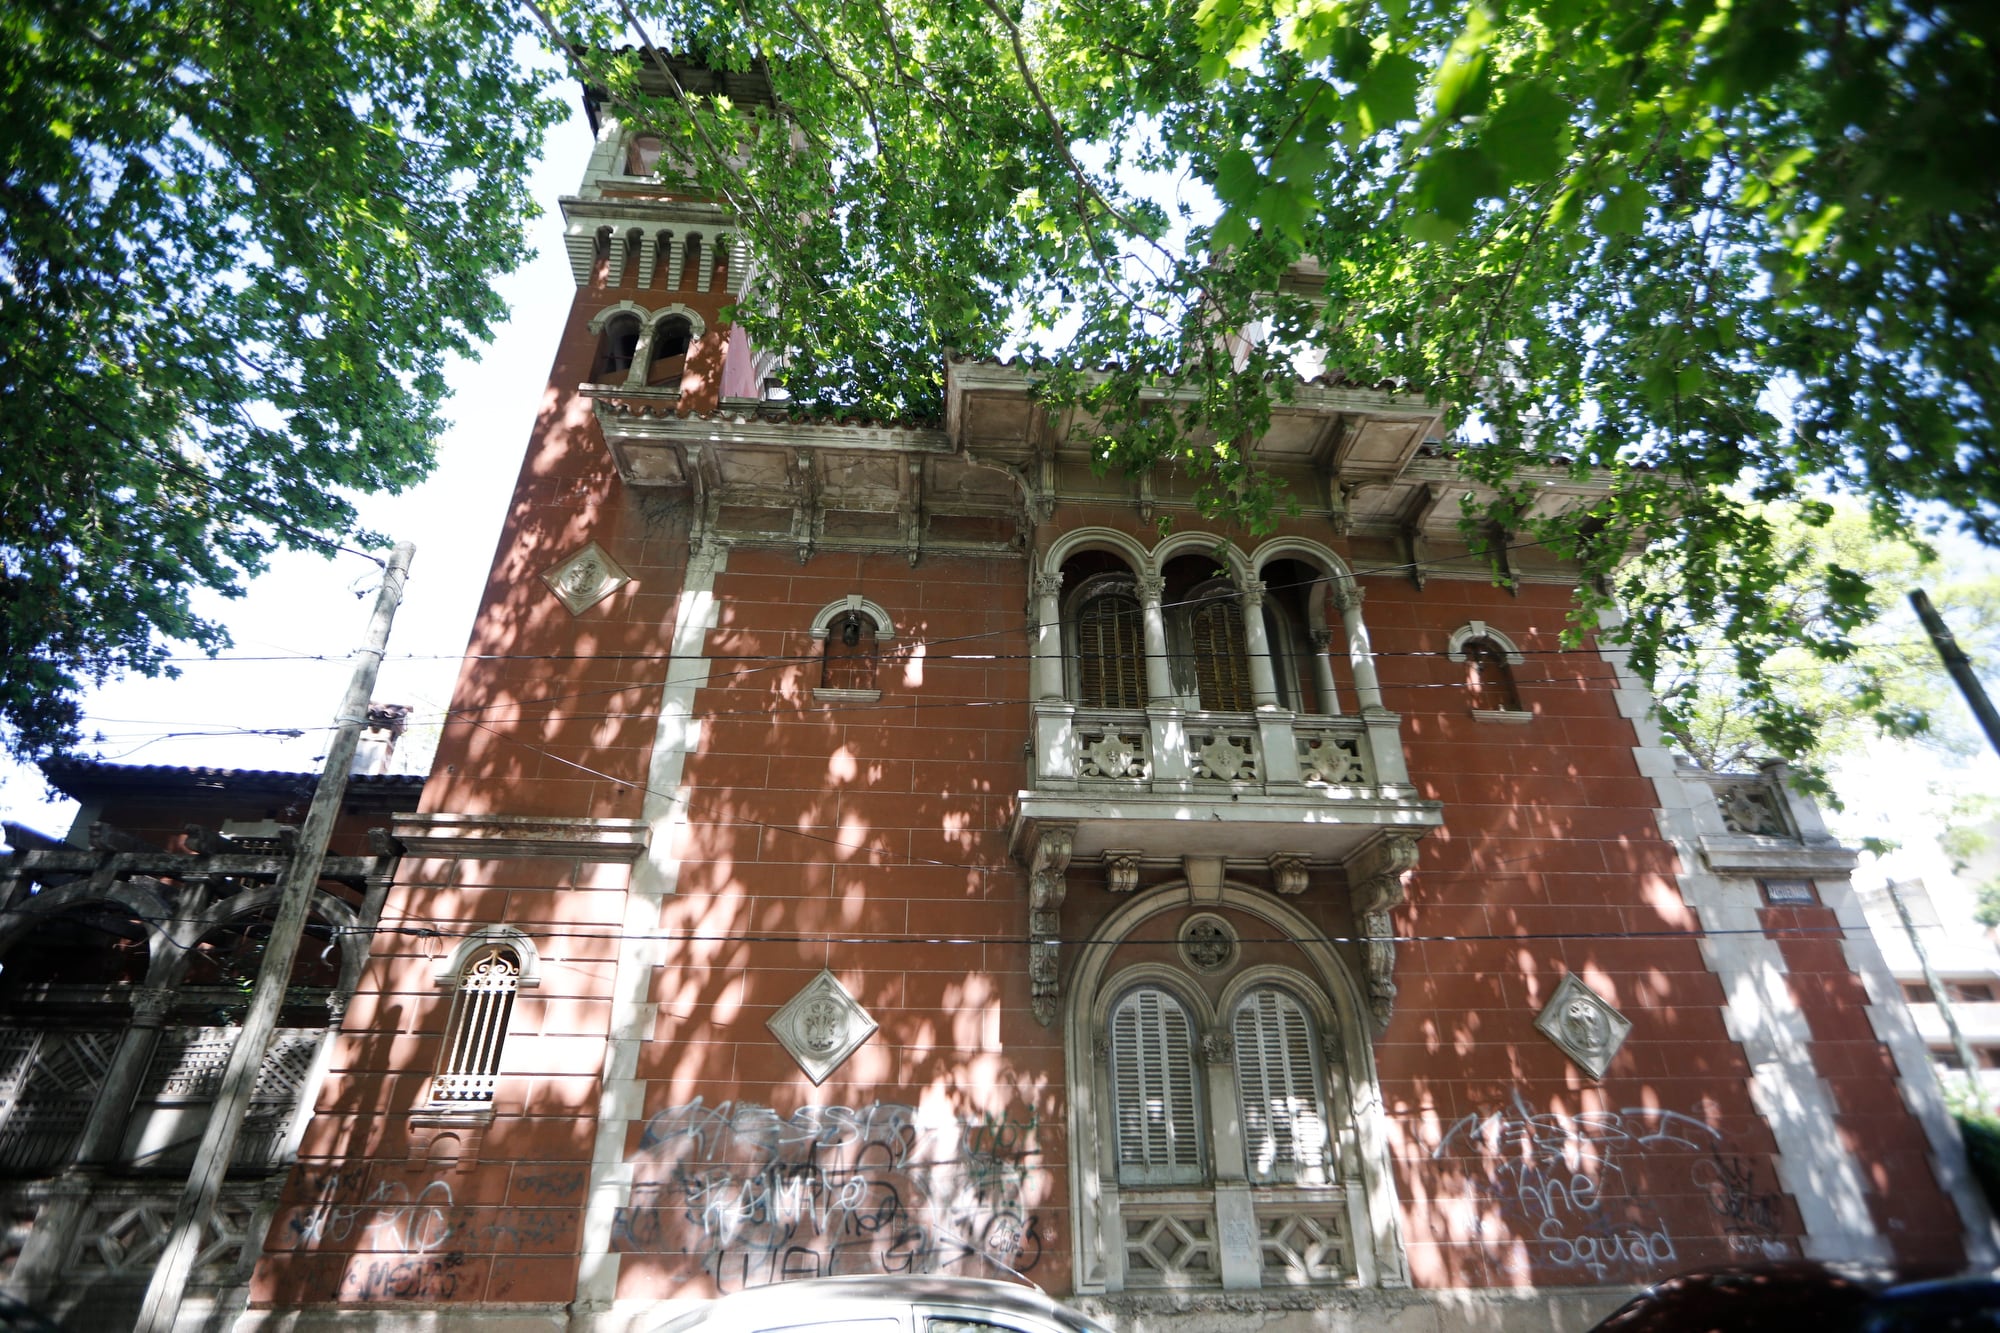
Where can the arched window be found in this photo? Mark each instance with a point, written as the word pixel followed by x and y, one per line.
pixel 616 348
pixel 1489 677
pixel 671 337
pixel 1285 1135
pixel 1154 1093
pixel 1110 648
pixel 470 1068
pixel 1220 656
pixel 851 653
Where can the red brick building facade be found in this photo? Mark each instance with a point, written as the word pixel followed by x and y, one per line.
pixel 868 847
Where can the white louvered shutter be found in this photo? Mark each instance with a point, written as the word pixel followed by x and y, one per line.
pixel 1284 1120
pixel 1153 1090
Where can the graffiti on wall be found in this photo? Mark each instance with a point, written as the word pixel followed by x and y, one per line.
pixel 411 1239
pixel 758 1197
pixel 1559 1182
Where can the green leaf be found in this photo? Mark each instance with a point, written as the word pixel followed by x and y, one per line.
pixel 1528 137
pixel 1461 84
pixel 1387 95
pixel 1622 212
pixel 1451 183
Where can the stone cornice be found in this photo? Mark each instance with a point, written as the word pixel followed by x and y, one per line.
pixel 475 837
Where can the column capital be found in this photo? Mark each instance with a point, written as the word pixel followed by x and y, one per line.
pixel 1151 587
pixel 1347 596
pixel 1048 585
pixel 1252 591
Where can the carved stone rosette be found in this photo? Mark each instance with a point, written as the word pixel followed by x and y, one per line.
pixel 1047 865
pixel 1375 879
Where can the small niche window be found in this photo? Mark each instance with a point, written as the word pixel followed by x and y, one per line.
pixel 1110 648
pixel 481 1010
pixel 1154 1090
pixel 1277 1077
pixel 1489 677
pixel 616 348
pixel 852 653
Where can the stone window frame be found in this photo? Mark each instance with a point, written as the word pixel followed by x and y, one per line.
pixel 1358 1154
pixel 823 625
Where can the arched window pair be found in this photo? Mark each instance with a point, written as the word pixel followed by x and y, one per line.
pixel 1157 1097
pixel 618 350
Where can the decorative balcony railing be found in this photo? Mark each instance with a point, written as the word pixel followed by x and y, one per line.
pixel 1190 752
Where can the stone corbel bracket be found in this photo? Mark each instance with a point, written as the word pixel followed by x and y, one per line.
pixel 1375 879
pixel 1048 864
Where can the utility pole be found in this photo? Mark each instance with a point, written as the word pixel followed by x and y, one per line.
pixel 1943 1001
pixel 1959 665
pixel 246 1059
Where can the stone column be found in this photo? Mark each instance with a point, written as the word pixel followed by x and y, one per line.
pixel 1048 637
pixel 1329 699
pixel 1360 655
pixel 1159 674
pixel 1163 703
pixel 1257 642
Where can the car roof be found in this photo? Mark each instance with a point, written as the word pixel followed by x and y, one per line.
pixel 797 1297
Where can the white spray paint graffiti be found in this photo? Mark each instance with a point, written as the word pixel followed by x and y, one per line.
pixel 1559 1179
pixel 756 1197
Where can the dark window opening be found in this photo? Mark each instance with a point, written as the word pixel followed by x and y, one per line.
pixel 851 656
pixel 616 348
pixel 1489 678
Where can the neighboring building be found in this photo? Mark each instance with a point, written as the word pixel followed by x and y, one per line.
pixel 126 956
pixel 1965 962
pixel 875 847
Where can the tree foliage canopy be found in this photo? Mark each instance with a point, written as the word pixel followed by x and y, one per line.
pixel 237 241
pixel 1728 253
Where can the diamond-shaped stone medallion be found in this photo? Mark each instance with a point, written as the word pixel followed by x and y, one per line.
pixel 1583 1025
pixel 821 1026
pixel 584 578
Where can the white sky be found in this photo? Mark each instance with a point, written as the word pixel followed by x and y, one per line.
pixel 307 607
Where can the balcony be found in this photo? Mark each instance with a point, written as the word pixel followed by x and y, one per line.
pixel 1270 791
pixel 1171 782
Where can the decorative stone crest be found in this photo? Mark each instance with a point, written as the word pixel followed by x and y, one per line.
pixel 821 1026
pixel 1375 879
pixel 1223 757
pixel 1289 874
pixel 1751 806
pixel 585 578
pixel 1583 1025
pixel 1047 866
pixel 1207 943
pixel 1113 754
pixel 1121 871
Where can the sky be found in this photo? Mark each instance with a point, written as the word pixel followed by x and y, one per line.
pixel 298 624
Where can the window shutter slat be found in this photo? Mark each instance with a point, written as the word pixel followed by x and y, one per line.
pixel 1111 653
pixel 1284 1121
pixel 1154 1091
